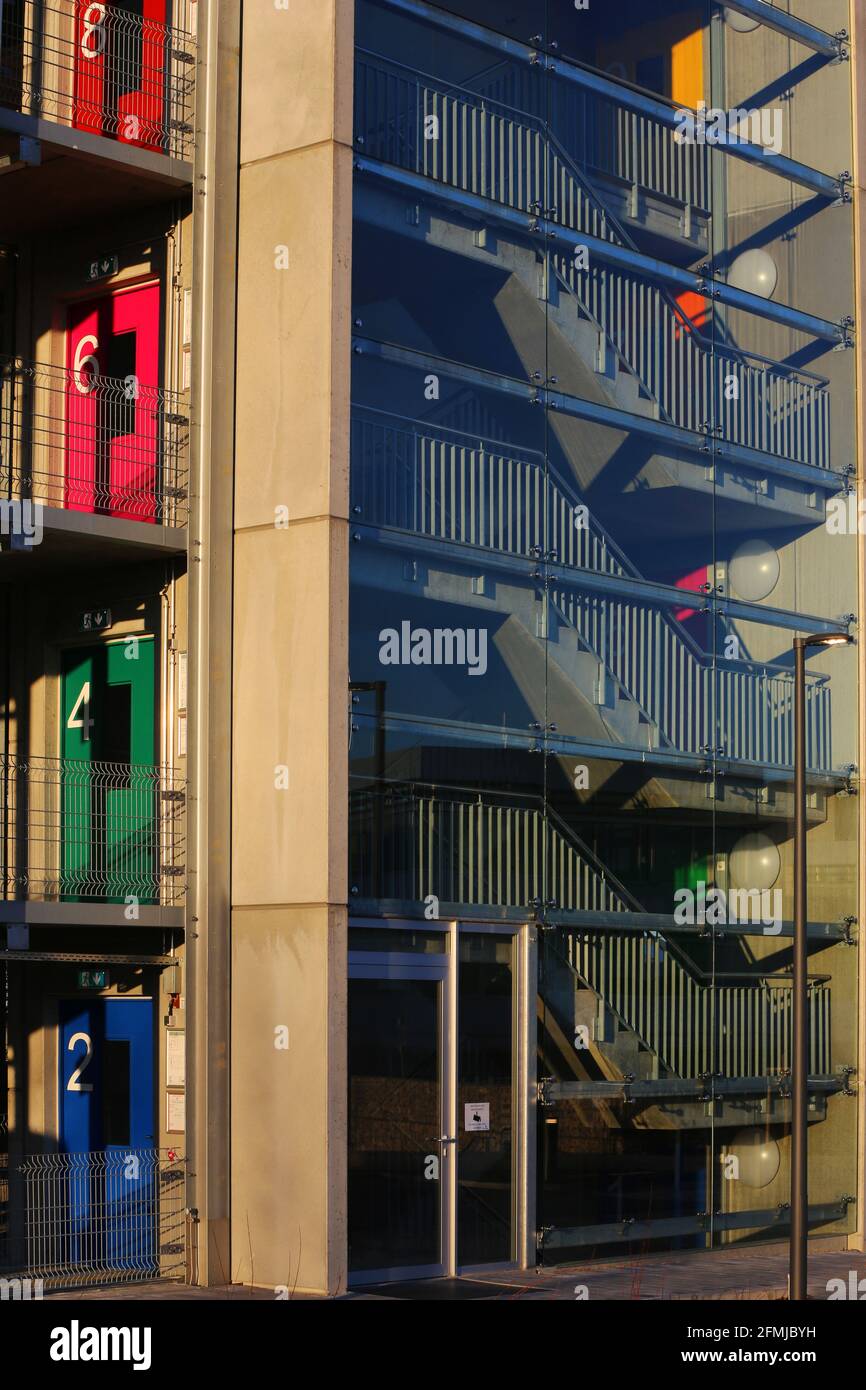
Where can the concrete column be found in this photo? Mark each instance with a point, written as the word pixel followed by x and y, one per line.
pixel 290 658
pixel 210 638
pixel 858 87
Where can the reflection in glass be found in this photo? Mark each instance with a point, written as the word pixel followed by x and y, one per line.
pixel 604 411
pixel 485 1011
pixel 395 1111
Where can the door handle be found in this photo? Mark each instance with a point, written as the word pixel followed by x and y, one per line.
pixel 442 1139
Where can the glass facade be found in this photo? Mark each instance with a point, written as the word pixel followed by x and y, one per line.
pixel 603 435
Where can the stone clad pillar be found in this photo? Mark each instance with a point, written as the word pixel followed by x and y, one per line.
pixel 290 648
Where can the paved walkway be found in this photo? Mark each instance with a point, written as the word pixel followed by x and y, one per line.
pixel 757 1274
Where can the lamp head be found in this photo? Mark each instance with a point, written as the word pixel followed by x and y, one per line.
pixel 825 639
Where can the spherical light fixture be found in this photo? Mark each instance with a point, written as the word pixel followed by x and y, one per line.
pixel 758 1158
pixel 755 272
pixel 740 23
pixel 754 862
pixel 753 570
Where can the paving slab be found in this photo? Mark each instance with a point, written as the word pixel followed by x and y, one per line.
pixel 748 1276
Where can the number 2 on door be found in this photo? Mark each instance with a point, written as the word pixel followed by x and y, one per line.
pixel 75 1083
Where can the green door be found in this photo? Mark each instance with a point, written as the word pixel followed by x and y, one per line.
pixel 109 785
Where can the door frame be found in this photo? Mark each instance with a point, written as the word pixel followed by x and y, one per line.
pixel 104 302
pixel 101 997
pixel 399 965
pixel 445 967
pixel 102 643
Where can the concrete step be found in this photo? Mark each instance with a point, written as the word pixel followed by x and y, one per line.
pixel 621 713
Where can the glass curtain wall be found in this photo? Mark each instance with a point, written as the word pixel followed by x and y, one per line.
pixel 603 411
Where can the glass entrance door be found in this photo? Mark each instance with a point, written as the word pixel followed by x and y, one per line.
pixel 486 1008
pixel 398 1148
pixel 435 1118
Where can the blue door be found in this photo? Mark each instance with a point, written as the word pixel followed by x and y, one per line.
pixel 107 1128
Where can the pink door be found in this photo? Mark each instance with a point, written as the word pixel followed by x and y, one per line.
pixel 112 404
pixel 120 55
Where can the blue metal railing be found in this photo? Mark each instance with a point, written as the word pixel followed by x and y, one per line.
pixel 451 487
pixel 604 137
pixel 507 156
pixel 510 851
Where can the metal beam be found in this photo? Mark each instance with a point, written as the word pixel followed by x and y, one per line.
pixel 664 595
pixel 86 146
pixel 824 185
pixel 411 910
pixel 665 925
pixel 671 760
pixel 570 1237
pixel 671 435
pixel 666 114
pixel 547 232
pixel 831 45
pixel 685 1088
pixel 88 914
pixel 83 957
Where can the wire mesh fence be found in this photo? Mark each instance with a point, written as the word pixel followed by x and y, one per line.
pixel 100 68
pixel 117 1216
pixel 73 831
pixel 93 443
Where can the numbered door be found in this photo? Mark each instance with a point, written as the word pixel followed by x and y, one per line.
pixel 112 404
pixel 399 1152
pixel 120 71
pixel 106 1068
pixel 107 1119
pixel 109 787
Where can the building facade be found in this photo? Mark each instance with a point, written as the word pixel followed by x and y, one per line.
pixel 425 430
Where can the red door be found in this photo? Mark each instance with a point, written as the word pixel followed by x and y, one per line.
pixel 112 404
pixel 119 80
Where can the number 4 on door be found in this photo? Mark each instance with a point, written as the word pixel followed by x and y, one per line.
pixel 79 717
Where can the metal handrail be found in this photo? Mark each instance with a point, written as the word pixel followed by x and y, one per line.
pixel 661 109
pixel 467 490
pixel 505 155
pixel 509 849
pixel 109 1216
pixel 101 69
pixel 78 831
pixel 695 155
pixel 93 443
pixel 721 349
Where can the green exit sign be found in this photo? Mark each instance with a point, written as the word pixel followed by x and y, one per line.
pixel 102 267
pixel 97 620
pixel 92 979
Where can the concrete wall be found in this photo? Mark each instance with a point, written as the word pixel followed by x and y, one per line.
pixel 290 637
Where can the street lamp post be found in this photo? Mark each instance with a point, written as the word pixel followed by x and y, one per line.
pixel 797 1275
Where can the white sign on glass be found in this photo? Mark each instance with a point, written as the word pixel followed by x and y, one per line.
pixel 476 1117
